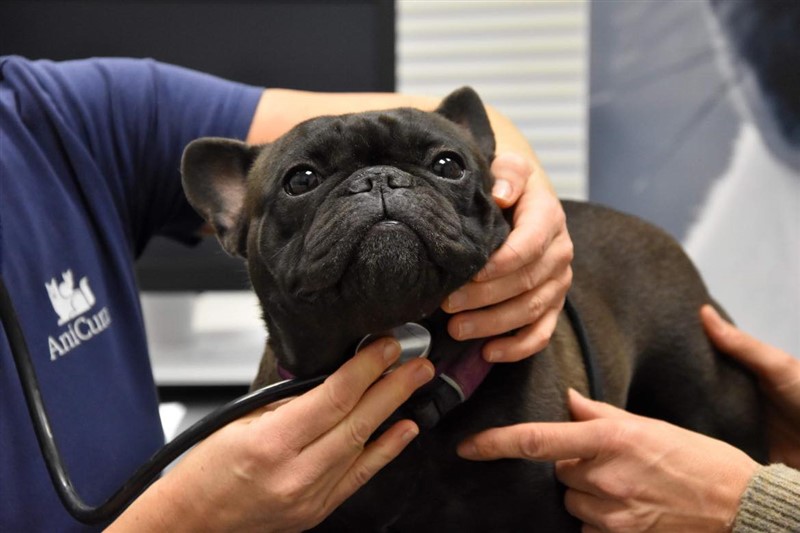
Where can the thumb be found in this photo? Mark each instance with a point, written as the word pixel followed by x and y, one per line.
pixel 770 363
pixel 511 172
pixel 728 337
pixel 583 408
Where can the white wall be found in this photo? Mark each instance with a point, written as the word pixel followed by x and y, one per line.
pixel 529 59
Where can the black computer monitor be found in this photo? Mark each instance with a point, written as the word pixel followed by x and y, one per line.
pixel 312 45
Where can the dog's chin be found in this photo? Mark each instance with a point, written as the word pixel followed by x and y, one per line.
pixel 389 278
pixel 389 255
pixel 391 266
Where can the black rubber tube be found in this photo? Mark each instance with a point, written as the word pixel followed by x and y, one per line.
pixel 150 470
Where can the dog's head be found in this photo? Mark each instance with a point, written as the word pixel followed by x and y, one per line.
pixel 353 224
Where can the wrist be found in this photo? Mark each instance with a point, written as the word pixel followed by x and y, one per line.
pixel 162 507
pixel 731 490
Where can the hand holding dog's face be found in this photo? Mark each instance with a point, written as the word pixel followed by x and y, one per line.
pixel 353 224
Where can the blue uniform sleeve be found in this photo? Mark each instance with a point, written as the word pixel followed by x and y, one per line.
pixel 134 117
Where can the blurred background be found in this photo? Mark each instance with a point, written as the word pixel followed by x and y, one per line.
pixel 672 111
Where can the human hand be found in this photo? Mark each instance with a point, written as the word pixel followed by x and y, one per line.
pixel 286 469
pixel 525 281
pixel 629 473
pixel 779 377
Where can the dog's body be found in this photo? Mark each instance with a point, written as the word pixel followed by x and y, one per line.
pixel 356 224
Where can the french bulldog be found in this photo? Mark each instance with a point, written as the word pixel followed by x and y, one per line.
pixel 355 224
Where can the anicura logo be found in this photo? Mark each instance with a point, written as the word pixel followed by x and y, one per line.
pixel 71 304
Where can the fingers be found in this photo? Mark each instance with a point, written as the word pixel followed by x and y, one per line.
pixel 526 309
pixel 530 278
pixel 590 435
pixel 328 404
pixel 539 219
pixel 543 441
pixel 599 514
pixel 313 452
pixel 583 475
pixel 523 285
pixel 583 408
pixel 524 342
pixel 347 439
pixel 377 455
pixel 530 298
pixel 510 173
pixel 341 457
pixel 770 363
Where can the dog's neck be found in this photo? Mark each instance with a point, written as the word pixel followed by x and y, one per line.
pixel 305 348
pixel 459 371
pixel 414 340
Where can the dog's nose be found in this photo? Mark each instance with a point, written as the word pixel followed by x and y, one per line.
pixel 378 177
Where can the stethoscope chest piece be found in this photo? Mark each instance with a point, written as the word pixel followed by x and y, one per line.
pixel 414 339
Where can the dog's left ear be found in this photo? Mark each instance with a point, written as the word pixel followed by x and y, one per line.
pixel 464 107
pixel 214 174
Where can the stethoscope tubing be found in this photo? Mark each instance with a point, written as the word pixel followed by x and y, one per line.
pixel 151 469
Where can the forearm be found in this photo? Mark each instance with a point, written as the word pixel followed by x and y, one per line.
pixel 157 509
pixel 281 109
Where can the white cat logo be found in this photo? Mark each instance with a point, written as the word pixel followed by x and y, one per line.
pixel 69 301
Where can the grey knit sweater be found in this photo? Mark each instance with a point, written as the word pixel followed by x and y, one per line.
pixel 771 502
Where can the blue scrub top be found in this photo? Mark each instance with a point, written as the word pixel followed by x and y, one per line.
pixel 89 170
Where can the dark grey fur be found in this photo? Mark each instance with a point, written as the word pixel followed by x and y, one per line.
pixel 327 272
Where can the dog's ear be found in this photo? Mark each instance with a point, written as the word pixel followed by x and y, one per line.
pixel 464 107
pixel 214 174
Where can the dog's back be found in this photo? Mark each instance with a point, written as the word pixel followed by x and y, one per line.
pixel 640 296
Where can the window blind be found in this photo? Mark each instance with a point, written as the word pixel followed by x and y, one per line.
pixel 529 59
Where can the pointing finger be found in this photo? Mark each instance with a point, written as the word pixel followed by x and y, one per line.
pixel 544 441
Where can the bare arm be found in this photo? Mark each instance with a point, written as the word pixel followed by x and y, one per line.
pixel 281 109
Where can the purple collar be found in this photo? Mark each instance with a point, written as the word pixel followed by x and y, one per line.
pixel 457 378
pixel 465 372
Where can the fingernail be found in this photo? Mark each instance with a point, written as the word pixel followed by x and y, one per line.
pixel 501 189
pixel 575 395
pixel 423 374
pixel 391 350
pixel 719 322
pixel 467 450
pixel 495 356
pixel 456 300
pixel 465 329
pixel 409 435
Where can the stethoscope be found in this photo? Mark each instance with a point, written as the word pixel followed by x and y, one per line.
pixel 415 341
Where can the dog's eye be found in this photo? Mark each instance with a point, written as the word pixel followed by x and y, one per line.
pixel 448 165
pixel 301 180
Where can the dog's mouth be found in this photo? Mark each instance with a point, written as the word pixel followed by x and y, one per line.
pixel 389 230
pixel 387 260
pixel 389 222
